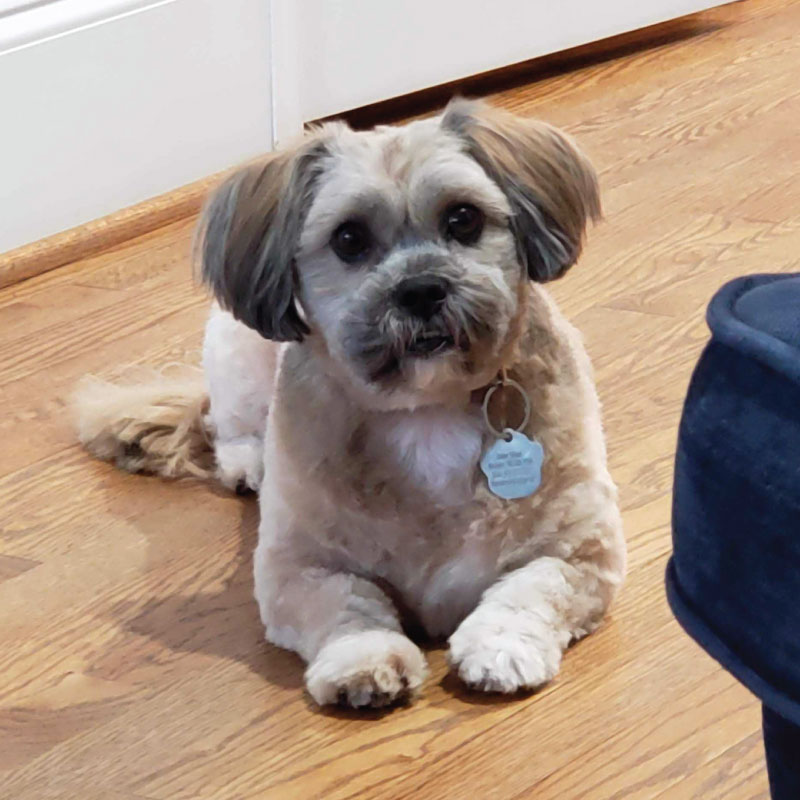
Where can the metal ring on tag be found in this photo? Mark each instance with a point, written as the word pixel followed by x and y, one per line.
pixel 526 416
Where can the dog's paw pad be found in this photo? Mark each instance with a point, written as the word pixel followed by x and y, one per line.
pixel 373 669
pixel 503 662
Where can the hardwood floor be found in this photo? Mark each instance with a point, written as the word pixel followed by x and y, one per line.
pixel 133 664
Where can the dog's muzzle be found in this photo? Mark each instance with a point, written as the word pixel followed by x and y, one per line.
pixel 422 299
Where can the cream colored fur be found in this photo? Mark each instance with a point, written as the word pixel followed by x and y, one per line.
pixel 372 495
pixel 153 425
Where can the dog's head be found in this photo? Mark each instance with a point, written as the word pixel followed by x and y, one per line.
pixel 401 252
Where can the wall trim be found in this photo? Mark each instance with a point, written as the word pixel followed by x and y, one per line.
pixel 105 233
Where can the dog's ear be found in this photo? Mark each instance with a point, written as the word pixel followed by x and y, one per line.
pixel 248 237
pixel 549 182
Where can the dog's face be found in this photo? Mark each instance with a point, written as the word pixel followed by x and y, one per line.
pixel 406 264
pixel 407 249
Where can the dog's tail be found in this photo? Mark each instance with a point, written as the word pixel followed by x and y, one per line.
pixel 156 426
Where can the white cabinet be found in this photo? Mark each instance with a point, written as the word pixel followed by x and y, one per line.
pixel 354 52
pixel 107 103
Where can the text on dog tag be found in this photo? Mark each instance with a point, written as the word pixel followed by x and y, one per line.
pixel 513 466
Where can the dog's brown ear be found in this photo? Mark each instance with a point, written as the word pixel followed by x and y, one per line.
pixel 248 236
pixel 549 182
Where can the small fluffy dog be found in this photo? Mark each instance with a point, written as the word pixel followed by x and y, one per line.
pixel 401 268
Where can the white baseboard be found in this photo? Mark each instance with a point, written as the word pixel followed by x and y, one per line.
pixel 110 102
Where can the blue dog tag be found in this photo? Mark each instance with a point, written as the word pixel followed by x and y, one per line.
pixel 514 467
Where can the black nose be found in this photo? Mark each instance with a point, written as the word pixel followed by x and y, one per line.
pixel 421 296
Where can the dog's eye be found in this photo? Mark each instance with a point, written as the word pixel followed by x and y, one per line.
pixel 351 241
pixel 463 222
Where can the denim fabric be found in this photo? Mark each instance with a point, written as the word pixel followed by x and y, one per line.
pixel 734 579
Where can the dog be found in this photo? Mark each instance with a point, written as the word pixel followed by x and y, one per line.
pixel 371 290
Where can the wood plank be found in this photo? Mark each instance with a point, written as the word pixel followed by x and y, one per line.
pixel 11 566
pixel 133 663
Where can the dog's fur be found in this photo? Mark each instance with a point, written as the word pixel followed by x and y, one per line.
pixel 364 449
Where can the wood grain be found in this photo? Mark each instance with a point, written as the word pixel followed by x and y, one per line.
pixel 133 663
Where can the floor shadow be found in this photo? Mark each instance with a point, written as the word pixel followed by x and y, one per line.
pixel 455 687
pixel 362 714
pixel 223 623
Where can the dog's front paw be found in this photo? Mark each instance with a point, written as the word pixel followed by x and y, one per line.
pixel 369 669
pixel 498 659
pixel 240 463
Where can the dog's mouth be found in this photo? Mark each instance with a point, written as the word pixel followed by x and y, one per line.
pixel 426 345
pixel 423 345
pixel 384 353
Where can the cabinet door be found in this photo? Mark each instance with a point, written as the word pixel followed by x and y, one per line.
pixel 350 53
pixel 106 103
